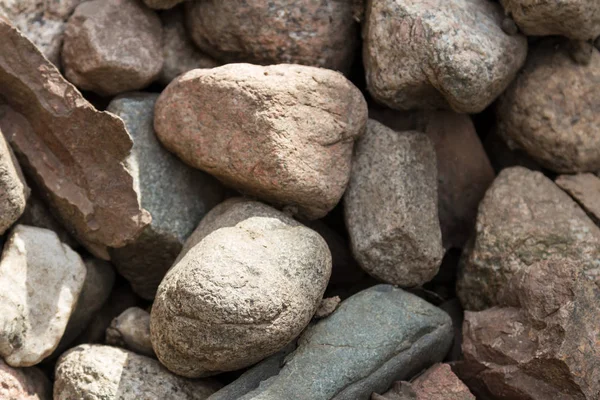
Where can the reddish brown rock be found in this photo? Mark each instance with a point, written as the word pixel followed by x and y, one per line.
pixel 585 190
pixel 179 52
pixel 317 33
pixel 23 383
pixel 72 151
pixel 543 341
pixel 282 133
pixel 437 383
pixel 464 170
pixel 551 110
pixel 13 188
pixel 112 46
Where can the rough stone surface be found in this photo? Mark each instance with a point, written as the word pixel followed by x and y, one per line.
pixel 13 188
pixel 176 196
pixel 437 383
pixel 179 52
pixel 162 4
pixel 248 281
pixel 131 330
pixel 327 307
pixel 523 218
pixel 112 46
pixel 463 169
pixel 543 341
pixel 72 151
pixel 40 282
pixel 585 190
pixel 317 33
pixel 43 22
pixel 98 284
pixel 391 206
pixel 282 133
pixel 375 337
pixel 551 109
pixel 96 372
pixel 23 384
pixel 576 19
pixel 439 53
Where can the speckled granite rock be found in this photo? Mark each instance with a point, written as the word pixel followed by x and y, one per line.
pixel 176 196
pixel 13 188
pixel 375 337
pixel 439 54
pixel 391 206
pixel 23 384
pixel 97 372
pixel 131 330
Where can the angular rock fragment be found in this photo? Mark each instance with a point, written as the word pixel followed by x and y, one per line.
pixel 464 171
pixel 327 307
pixel 162 4
pixel 176 196
pixel 524 218
pixel 585 190
pixel 72 151
pixel 316 33
pixel 543 341
pixel 576 19
pixel 282 133
pixel 180 54
pixel 40 282
pixel 375 337
pixel 42 22
pixel 112 46
pixel 13 188
pixel 437 383
pixel 23 383
pixel 247 282
pixel 550 110
pixel 98 372
pixel 391 206
pixel 131 330
pixel 422 54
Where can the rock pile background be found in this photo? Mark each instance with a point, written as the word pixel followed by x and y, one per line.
pixel 298 199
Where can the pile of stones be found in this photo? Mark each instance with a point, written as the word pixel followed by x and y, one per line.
pixel 300 200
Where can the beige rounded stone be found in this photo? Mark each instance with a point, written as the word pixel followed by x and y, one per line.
pixel 131 330
pixel 248 282
pixel 13 188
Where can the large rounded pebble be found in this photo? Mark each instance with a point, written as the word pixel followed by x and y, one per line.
pixel 551 110
pixel 13 188
pixel 112 46
pixel 318 33
pixel 248 283
pixel 524 218
pixel 23 384
pixel 391 206
pixel 282 133
pixel 439 54
pixel 40 282
pixel 97 372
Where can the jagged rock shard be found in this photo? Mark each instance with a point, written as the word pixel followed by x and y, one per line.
pixel 74 152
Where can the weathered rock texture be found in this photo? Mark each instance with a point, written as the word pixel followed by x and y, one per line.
pixel 43 22
pixel 97 372
pixel 576 19
pixel 585 190
pixel 282 133
pixel 438 53
pixel 464 171
pixel 247 282
pixel 543 342
pixel 317 33
pixel 437 383
pixel 391 206
pixel 180 54
pixel 524 218
pixel 13 188
pixel 375 337
pixel 23 384
pixel 162 4
pixel 73 152
pixel 176 196
pixel 551 109
pixel 112 46
pixel 40 282
pixel 131 330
